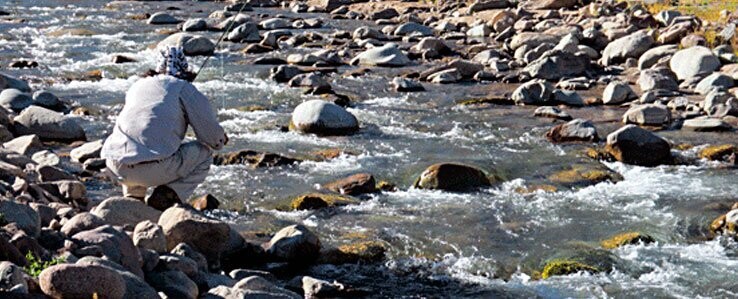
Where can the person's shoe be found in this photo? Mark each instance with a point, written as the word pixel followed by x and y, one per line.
pixel 162 198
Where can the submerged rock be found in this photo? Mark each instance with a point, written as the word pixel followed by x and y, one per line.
pixel 718 152
pixel 582 175
pixel 565 267
pixel 628 238
pixel 314 201
pixel 356 184
pixel 633 145
pixel 323 118
pixel 452 177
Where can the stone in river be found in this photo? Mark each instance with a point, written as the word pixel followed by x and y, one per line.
pixel 706 124
pixel 387 55
pixel 648 115
pixel 575 130
pixel 630 46
pixel 162 18
pixel 193 45
pixel 536 92
pixel 15 100
pixel 323 118
pixel 617 93
pixel 551 112
pixel 633 145
pixel 295 244
pixel 452 177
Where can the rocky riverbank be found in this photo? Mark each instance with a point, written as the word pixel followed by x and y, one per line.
pixel 610 82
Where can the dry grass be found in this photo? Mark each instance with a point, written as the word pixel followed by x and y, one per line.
pixel 711 12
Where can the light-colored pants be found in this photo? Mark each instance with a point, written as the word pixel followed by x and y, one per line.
pixel 182 172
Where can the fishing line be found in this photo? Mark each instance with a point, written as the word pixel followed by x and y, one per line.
pixel 220 39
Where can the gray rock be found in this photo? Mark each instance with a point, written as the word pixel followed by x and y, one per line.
pixel 81 281
pixel 618 92
pixel 47 100
pixel 86 151
pixel 568 97
pixel 284 73
pixel 275 23
pixel 7 81
pixel 630 46
pixel 207 236
pixel 183 249
pixel 551 112
pixel 46 157
pixel 716 97
pixel 15 100
pixel 694 61
pixel 22 215
pixel 178 263
pixel 149 235
pixel 532 40
pixel 114 244
pixel 24 145
pixel 125 211
pixel 193 25
pixel 368 33
pixel 714 81
pixel 483 5
pixel 162 18
pixel 388 55
pixel 406 85
pixel 295 244
pixel 11 276
pixel 272 36
pixel 174 284
pixel 193 45
pixel 573 131
pixel 658 78
pixel 52 174
pixel 318 288
pixel 259 284
pixel 432 44
pixel 648 115
pixel 653 55
pixel 481 30
pixel 536 92
pixel 706 124
pixel 554 65
pixel 81 222
pixel 244 33
pixel 312 81
pixel 633 145
pixel 413 29
pixel 48 125
pixel 446 76
pixel 71 190
pixel 325 118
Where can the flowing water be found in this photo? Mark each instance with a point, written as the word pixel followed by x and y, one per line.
pixel 481 244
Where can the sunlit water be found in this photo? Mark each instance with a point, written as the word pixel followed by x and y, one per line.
pixel 480 244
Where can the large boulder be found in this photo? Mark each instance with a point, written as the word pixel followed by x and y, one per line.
pixel 48 125
pixel 136 286
pixel 694 61
pixel 388 55
pixel 295 244
pixel 536 92
pixel 633 145
pixel 574 130
pixel 174 284
pixel 532 40
pixel 113 243
pixel 22 215
pixel 7 81
pixel 244 33
pixel 657 78
pixel 323 118
pixel 192 45
pixel 125 211
pixel 629 46
pixel 356 184
pixel 81 281
pixel 554 65
pixel 653 55
pixel 15 100
pixel 452 177
pixel 186 225
pixel 81 222
pixel 648 115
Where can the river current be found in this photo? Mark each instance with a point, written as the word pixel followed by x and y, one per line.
pixel 481 244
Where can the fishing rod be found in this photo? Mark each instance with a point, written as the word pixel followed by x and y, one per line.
pixel 220 39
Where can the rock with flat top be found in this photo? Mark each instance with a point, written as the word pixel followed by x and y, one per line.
pixel 48 125
pixel 323 118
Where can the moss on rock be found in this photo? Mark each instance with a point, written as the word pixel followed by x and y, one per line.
pixel 580 175
pixel 626 239
pixel 314 201
pixel 565 267
pixel 364 251
pixel 598 154
pixel 717 152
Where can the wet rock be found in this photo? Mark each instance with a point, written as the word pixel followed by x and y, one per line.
pixel 317 288
pixel 275 23
pixel 192 45
pixel 633 145
pixel 81 281
pixel 718 152
pixel 716 98
pixel 648 115
pixel 284 73
pixel 657 79
pixel 52 174
pixel 205 202
pixel 447 76
pixel 706 124
pixel 48 100
pixel 174 284
pixel 313 82
pixel 617 93
pixel 81 222
pixel 271 38
pixel 573 131
pixel 551 112
pixel 24 145
pixel 360 252
pixel 23 64
pixel 583 175
pixel 193 25
pixel 22 215
pixel 162 18
pixel 387 56
pixel 314 201
pixel 357 184
pixel 149 235
pixel 48 125
pixel 412 29
pixel 365 32
pixel 452 177
pixel 9 82
pixel 113 243
pixel 714 81
pixel 554 65
pixel 630 46
pixel 253 158
pixel 406 85
pixel 323 118
pixel 244 33
pixel 566 267
pixel 295 244
pixel 86 151
pixel 125 211
pixel 15 100
pixel 536 92
pixel 568 97
pixel 118 59
pixel 208 236
pixel 694 61
pixel 628 238
pixel 432 45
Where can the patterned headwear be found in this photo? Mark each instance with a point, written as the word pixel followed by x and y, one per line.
pixel 173 62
